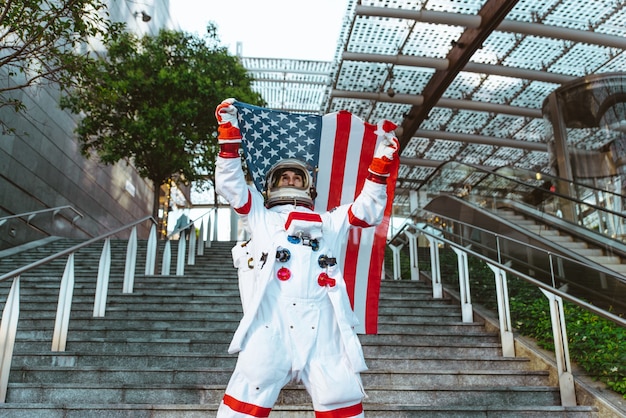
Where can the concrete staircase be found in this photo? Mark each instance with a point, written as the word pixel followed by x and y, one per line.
pixel 595 254
pixel 161 351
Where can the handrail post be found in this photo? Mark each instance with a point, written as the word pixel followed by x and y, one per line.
pixel 435 268
pixel 151 250
pixel 8 330
pixel 167 259
pixel 201 240
pixel 191 255
pixel 131 262
pixel 180 257
pixel 102 283
pixel 467 311
pixel 397 271
pixel 413 255
pixel 504 313
pixel 209 231
pixel 561 349
pixel 64 306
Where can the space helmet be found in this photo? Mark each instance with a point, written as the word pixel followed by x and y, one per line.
pixel 280 195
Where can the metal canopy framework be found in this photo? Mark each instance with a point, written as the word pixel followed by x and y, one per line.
pixel 464 79
pixel 292 85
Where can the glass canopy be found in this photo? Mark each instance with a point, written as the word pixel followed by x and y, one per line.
pixel 465 79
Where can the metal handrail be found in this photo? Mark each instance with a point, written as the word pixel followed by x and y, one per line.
pixel 34 213
pixel 11 311
pixel 194 247
pixel 19 271
pixel 184 227
pixel 583 304
pixel 554 295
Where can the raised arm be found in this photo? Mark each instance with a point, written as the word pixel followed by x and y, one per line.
pixel 369 207
pixel 230 182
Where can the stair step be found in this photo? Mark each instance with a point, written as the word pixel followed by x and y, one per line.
pixel 63 393
pixel 417 361
pixel 220 376
pixel 372 410
pixel 218 342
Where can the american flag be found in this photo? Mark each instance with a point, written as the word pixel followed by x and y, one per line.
pixel 341 147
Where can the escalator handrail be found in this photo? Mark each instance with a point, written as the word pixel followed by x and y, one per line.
pixel 521 183
pixel 564 180
pixel 595 266
pixel 598 311
pixel 570 227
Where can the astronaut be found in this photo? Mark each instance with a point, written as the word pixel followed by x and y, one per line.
pixel 298 324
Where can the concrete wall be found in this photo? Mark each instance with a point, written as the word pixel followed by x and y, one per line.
pixel 41 165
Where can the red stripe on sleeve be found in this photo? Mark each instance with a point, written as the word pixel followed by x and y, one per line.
pixel 245 209
pixel 246 408
pixel 348 411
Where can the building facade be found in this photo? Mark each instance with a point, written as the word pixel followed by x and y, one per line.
pixel 41 166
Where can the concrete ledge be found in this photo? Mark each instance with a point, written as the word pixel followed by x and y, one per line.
pixel 28 246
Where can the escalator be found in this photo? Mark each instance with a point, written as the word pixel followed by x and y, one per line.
pixel 565 235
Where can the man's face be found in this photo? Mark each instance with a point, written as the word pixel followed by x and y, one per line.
pixel 291 178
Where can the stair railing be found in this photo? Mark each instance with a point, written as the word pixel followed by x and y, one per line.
pixel 10 314
pixel 500 269
pixel 197 244
pixel 62 211
pixel 31 215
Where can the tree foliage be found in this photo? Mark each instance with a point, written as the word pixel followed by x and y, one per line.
pixel 45 41
pixel 151 101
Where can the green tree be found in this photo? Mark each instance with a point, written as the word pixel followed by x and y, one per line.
pixel 151 101
pixel 45 41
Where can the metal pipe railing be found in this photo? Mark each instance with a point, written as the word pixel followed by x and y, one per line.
pixel 554 295
pixel 196 245
pixel 10 314
pixel 30 215
pixel 73 249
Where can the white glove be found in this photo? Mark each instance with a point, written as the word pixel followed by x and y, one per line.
pixel 386 150
pixel 387 147
pixel 228 128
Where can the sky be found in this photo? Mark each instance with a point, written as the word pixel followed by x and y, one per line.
pixel 294 29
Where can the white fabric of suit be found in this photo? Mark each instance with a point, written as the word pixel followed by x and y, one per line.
pixel 294 329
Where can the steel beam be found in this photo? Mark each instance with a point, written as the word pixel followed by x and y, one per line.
pixel 471 67
pixel 491 15
pixel 474 22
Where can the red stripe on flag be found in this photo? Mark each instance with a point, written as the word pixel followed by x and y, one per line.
pixel 367 154
pixel 342 136
pixel 368 144
pixel 375 276
pixel 378 255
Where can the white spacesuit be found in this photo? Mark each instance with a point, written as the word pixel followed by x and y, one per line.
pixel 298 322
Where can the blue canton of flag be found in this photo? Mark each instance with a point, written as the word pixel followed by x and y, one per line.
pixel 271 135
